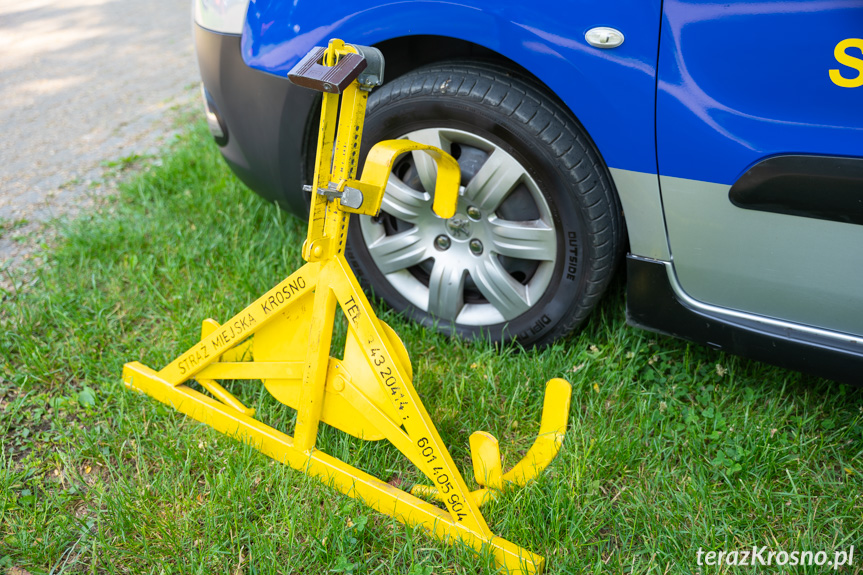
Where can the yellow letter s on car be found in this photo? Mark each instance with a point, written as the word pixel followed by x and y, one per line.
pixel 847 60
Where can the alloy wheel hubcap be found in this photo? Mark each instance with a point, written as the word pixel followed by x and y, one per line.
pixel 458 227
pixel 487 264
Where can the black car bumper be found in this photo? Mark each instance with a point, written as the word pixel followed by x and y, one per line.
pixel 266 120
pixel 651 304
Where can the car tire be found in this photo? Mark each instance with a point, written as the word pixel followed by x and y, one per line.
pixel 538 231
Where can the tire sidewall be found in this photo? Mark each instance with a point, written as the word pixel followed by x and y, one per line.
pixel 397 117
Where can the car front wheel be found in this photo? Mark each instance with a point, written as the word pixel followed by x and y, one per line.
pixel 537 232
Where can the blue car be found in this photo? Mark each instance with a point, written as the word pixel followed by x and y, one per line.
pixel 715 147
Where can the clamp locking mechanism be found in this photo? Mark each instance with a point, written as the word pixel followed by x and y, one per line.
pixel 364 64
pixel 364 196
pixel 348 197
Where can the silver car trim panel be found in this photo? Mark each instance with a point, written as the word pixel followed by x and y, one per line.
pixel 767 323
pixel 642 209
pixel 801 270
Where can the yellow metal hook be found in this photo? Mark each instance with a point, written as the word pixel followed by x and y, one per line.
pixel 379 166
pixel 485 451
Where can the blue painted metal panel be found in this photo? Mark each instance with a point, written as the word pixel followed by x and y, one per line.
pixel 610 91
pixel 740 81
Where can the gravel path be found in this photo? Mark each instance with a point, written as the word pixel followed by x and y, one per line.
pixel 83 83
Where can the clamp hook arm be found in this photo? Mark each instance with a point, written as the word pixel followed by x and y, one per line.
pixel 379 166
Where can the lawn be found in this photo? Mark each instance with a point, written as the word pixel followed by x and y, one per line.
pixel 671 447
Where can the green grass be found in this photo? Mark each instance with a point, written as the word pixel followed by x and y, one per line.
pixel 671 447
pixel 8 226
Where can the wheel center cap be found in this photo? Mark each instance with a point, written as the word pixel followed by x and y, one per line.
pixel 458 227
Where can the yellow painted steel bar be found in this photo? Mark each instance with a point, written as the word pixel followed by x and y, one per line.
pixel 241 352
pixel 347 479
pixel 253 370
pixel 344 166
pixel 317 363
pixel 404 398
pixel 339 137
pixel 323 160
pixel 241 326
pixel 384 424
pixel 345 158
pixel 225 396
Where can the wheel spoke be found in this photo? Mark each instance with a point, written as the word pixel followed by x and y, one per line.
pixel 502 291
pixel 446 290
pixel 399 251
pixel 495 179
pixel 532 240
pixel 403 202
pixel 521 242
pixel 425 165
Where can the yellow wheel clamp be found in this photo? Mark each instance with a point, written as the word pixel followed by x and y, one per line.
pixel 368 393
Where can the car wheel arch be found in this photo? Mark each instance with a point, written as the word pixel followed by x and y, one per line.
pixel 404 54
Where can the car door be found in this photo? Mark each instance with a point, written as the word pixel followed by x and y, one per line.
pixel 760 155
